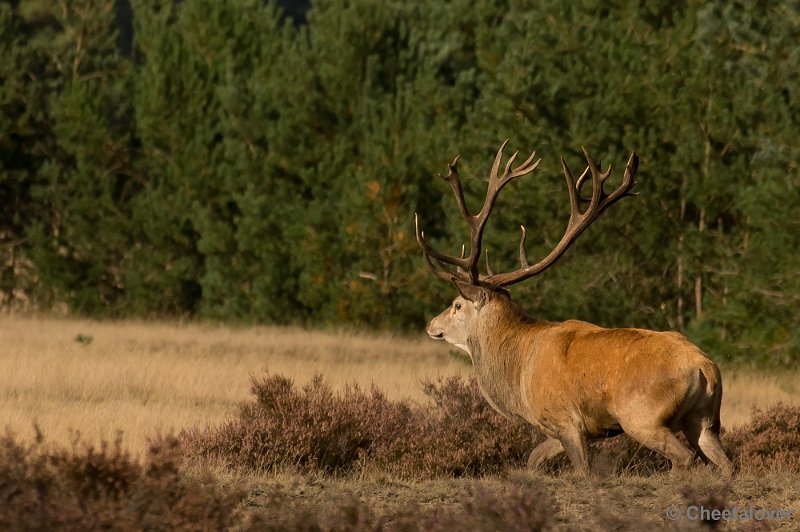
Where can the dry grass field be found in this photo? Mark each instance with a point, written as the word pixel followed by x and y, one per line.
pixel 69 376
pixel 146 378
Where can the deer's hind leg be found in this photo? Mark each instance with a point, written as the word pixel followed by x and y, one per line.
pixel 549 448
pixel 663 441
pixel 704 438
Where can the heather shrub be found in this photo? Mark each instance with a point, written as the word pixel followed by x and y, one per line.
pixel 315 429
pixel 770 441
pixel 455 433
pixel 459 434
pixel 31 490
pixel 107 472
pixel 88 488
pixel 165 498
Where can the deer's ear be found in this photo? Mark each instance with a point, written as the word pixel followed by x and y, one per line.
pixel 477 294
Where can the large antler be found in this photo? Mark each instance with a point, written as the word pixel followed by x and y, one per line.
pixel 579 219
pixel 467 267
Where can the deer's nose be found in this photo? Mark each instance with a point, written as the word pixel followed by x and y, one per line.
pixel 434 333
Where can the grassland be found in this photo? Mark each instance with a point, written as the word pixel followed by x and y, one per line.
pixel 148 378
pixel 144 379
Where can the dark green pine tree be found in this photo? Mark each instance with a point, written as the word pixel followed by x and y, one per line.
pixel 176 127
pixel 376 123
pixel 259 162
pixel 750 302
pixel 553 77
pixel 223 156
pixel 73 143
pixel 23 132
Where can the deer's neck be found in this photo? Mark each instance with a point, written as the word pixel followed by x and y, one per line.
pixel 499 354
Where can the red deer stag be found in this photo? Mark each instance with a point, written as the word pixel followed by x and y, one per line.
pixel 574 381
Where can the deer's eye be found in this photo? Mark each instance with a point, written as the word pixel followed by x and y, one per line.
pixel 457 306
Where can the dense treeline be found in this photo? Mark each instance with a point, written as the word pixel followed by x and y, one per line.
pixel 237 167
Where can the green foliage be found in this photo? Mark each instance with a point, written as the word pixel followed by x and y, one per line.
pixel 236 167
pixel 69 150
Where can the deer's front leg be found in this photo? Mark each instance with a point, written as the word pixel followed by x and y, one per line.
pixel 577 447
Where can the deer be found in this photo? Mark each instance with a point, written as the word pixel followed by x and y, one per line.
pixel 572 380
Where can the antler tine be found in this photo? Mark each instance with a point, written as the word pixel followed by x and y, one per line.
pixel 454 181
pixel 463 254
pixel 467 267
pixel 597 183
pixel 496 184
pixel 578 221
pixel 523 256
pixel 585 175
pixel 488 267
pixel 572 190
pixel 582 179
pixel 630 171
pixel 598 178
pixel 527 166
pixel 509 163
pixel 496 165
pixel 435 265
pixel 605 175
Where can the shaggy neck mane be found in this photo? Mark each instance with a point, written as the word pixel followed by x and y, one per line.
pixel 495 349
pixel 506 310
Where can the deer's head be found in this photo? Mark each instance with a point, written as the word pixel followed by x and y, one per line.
pixel 478 291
